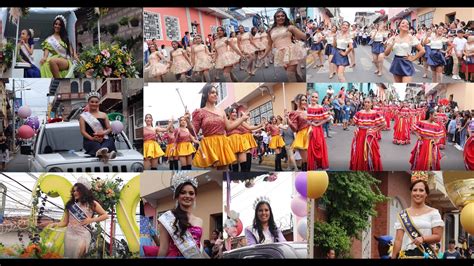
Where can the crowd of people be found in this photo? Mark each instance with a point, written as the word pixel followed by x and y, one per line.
pixel 195 56
pixel 445 49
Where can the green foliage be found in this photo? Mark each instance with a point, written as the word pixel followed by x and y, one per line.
pixel 113 29
pixel 6 55
pixel 351 198
pixel 124 21
pixel 331 236
pixel 107 192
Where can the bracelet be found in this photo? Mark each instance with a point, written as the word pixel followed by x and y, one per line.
pixel 423 238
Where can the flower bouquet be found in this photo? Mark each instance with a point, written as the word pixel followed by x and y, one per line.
pixel 32 251
pixel 108 61
pixel 107 192
pixel 6 55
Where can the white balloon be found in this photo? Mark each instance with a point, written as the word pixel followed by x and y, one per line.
pixel 301 228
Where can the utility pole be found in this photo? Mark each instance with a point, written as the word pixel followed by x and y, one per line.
pixel 14 117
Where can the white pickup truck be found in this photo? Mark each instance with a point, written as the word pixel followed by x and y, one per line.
pixel 58 148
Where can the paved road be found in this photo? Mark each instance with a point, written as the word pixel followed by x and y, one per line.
pixel 364 70
pixel 394 157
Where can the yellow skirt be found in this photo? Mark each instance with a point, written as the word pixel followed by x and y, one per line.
pixel 168 152
pixel 301 141
pixel 151 149
pixel 249 137
pixel 214 151
pixel 238 143
pixel 185 149
pixel 276 142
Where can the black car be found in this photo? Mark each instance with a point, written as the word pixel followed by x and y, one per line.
pixel 284 250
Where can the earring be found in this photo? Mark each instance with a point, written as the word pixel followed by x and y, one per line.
pixel 176 204
pixel 194 204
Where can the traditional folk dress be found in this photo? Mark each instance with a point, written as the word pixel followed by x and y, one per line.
pixel 317 149
pixel 426 156
pixel 301 128
pixel 365 150
pixel 469 149
pixel 379 110
pixel 401 133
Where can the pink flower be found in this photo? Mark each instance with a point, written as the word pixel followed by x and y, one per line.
pixel 129 62
pixel 107 71
pixel 105 53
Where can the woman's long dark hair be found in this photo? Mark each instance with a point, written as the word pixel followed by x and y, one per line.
pixel 181 224
pixel 205 93
pixel 429 112
pixel 30 37
pixel 85 196
pixel 222 28
pixel 63 34
pixel 271 224
pixel 287 20
pixel 297 101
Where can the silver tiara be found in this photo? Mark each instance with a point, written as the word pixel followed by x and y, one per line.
pixel 180 178
pixel 85 182
pixel 32 32
pixel 93 94
pixel 261 199
pixel 61 17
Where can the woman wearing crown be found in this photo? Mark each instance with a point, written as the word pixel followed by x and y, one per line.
pixel 95 128
pixel 419 227
pixel 59 64
pixel 426 156
pixel 365 150
pixel 263 229
pixel 77 218
pixel 214 150
pixel 180 230
pixel 25 50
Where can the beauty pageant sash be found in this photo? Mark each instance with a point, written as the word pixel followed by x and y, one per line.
pixel 187 246
pixel 93 122
pixel 413 232
pixel 79 214
pixel 57 47
pixel 25 55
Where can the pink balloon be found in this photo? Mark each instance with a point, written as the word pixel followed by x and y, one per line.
pixel 240 226
pixel 116 126
pixel 25 132
pixel 301 183
pixel 24 111
pixel 298 206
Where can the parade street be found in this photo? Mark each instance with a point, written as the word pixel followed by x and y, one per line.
pixel 364 70
pixel 262 74
pixel 394 157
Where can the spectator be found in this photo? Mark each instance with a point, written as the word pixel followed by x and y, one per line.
pixel 452 253
pixel 331 254
pixel 452 128
pixel 145 50
pixel 186 40
pixel 208 247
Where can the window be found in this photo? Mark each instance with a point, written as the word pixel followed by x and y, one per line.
pixel 152 26
pixel 139 115
pixel 264 110
pixel 222 90
pixel 426 19
pixel 172 28
pixel 74 87
pixel 87 87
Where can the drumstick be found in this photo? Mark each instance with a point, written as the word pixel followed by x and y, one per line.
pixel 191 124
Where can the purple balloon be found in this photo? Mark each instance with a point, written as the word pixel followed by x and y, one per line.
pixel 33 122
pixel 116 126
pixel 24 111
pixel 301 184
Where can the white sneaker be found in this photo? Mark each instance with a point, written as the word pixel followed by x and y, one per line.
pixel 457 146
pixel 455 77
pixel 112 155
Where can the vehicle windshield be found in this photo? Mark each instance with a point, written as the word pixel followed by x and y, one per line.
pixel 69 139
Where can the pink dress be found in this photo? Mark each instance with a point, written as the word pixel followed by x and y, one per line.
pixel 226 57
pixel 179 64
pixel 77 238
pixel 287 52
pixel 202 61
pixel 264 39
pixel 195 231
pixel 246 45
pixel 155 68
pixel 258 41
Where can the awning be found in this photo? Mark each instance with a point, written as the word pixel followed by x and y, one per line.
pixel 218 12
pixel 402 14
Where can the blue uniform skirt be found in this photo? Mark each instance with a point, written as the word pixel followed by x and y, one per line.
pixel 377 48
pixel 329 50
pixel 402 67
pixel 317 46
pixel 91 147
pixel 340 60
pixel 436 58
pixel 427 51
pixel 354 43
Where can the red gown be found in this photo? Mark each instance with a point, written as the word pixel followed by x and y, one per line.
pixel 365 150
pixel 387 111
pixel 401 130
pixel 469 149
pixel 379 110
pixel 442 119
pixel 426 156
pixel 317 149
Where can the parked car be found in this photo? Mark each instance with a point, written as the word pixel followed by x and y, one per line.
pixel 58 148
pixel 283 250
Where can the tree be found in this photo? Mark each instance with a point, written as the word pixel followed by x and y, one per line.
pixel 351 198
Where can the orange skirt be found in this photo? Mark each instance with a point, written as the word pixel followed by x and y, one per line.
pixel 276 142
pixel 249 137
pixel 185 149
pixel 214 151
pixel 168 152
pixel 238 143
pixel 301 141
pixel 151 149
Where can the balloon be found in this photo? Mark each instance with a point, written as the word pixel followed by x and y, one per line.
pixel 301 183
pixel 240 227
pixel 24 111
pixel 301 228
pixel 467 220
pixel 298 206
pixel 116 126
pixel 318 182
pixel 25 132
pixel 33 122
